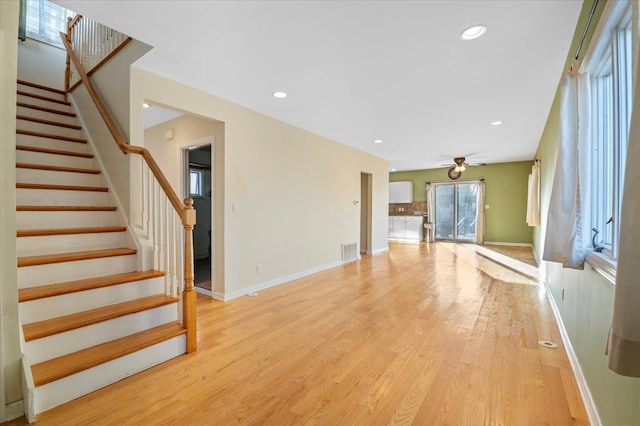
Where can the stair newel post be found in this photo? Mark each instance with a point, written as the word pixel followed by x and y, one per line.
pixel 67 71
pixel 189 293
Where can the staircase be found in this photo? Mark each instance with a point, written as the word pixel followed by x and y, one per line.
pixel 89 316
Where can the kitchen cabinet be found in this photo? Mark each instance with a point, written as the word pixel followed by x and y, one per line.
pixel 405 227
pixel 400 192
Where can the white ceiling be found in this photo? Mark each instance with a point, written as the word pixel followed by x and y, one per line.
pixel 155 115
pixel 356 71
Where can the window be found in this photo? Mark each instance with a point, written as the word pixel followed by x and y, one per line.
pixel 195 183
pixel 46 20
pixel 610 70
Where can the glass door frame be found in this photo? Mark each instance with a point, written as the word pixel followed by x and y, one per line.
pixel 455 211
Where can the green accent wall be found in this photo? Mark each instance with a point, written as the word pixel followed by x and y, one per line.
pixel 588 297
pixel 506 194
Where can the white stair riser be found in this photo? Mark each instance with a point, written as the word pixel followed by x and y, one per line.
pixel 41 92
pixel 64 390
pixel 58 178
pixel 52 144
pixel 30 112
pixel 47 104
pixel 54 159
pixel 49 197
pixel 36 246
pixel 50 347
pixel 55 220
pixel 31 276
pixel 65 304
pixel 48 128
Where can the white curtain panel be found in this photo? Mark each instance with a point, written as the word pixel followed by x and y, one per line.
pixel 533 197
pixel 480 213
pixel 624 334
pixel 431 203
pixel 567 235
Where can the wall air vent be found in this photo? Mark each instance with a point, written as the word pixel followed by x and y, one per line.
pixel 349 252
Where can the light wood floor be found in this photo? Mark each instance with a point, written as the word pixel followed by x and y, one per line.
pixel 419 335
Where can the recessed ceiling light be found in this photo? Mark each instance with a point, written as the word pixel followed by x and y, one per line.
pixel 473 32
pixel 378 141
pixel 496 123
pixel 393 170
pixel 279 95
pixel 146 105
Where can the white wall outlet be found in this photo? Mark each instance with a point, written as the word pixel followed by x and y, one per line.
pixel 234 208
pixel 486 206
pixel 258 267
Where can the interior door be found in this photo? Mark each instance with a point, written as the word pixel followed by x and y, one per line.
pixel 455 211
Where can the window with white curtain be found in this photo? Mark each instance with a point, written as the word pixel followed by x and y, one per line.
pixel 610 70
pixel 45 21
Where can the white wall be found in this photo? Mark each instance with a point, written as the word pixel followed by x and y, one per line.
pixel 41 63
pixel 10 391
pixel 288 194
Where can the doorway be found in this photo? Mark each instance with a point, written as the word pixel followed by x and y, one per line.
pixel 197 167
pixel 366 190
pixel 457 211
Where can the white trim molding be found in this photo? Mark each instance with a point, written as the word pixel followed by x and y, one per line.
pixel 583 386
pixel 380 250
pixel 272 283
pixel 602 265
pixel 13 411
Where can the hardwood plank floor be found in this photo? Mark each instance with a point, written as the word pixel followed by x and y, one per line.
pixel 420 335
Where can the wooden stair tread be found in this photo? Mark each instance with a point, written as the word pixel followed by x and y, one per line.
pixel 64 366
pixel 50 290
pixel 25 208
pixel 57 168
pixel 45 109
pixel 53 151
pixel 42 87
pixel 50 136
pixel 69 231
pixel 49 327
pixel 73 256
pixel 62 187
pixel 43 98
pixel 48 122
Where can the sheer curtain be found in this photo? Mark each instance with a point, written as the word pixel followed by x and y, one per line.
pixel 480 189
pixel 431 211
pixel 566 241
pixel 533 196
pixel 624 335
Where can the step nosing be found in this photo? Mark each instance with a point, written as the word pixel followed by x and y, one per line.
pixel 50 136
pixel 41 87
pixel 53 326
pixel 43 98
pixel 69 231
pixel 53 151
pixel 45 109
pixel 48 122
pixel 82 360
pixel 61 187
pixel 40 208
pixel 68 287
pixel 49 168
pixel 26 261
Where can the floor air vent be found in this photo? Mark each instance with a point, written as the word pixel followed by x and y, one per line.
pixel 349 252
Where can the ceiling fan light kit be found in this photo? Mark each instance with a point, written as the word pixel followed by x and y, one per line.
pixel 460 166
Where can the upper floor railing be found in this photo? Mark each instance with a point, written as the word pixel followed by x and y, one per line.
pixel 93 43
pixel 165 213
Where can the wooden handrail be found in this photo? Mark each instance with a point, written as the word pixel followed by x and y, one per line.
pixel 123 145
pixel 185 210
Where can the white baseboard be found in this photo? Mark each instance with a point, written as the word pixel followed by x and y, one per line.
pixel 272 283
pixel 583 386
pixel 203 291
pixel 499 243
pixel 13 411
pixel 380 250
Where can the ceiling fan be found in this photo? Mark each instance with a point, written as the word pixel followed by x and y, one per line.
pixel 459 166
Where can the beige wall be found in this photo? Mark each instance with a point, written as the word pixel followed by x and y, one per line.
pixel 41 63
pixel 10 390
pixel 188 129
pixel 288 194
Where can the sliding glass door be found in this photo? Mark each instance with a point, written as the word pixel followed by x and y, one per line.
pixel 456 211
